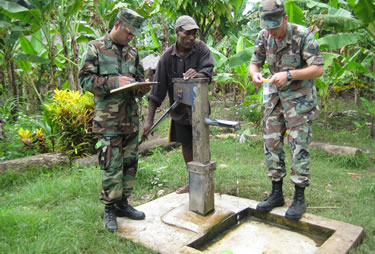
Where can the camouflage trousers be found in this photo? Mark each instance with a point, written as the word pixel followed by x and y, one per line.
pixel 299 137
pixel 118 160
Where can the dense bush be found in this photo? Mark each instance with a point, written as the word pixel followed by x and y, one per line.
pixel 69 121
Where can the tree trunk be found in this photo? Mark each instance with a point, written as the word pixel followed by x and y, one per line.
pixel 12 88
pixel 14 79
pixel 60 158
pixel 75 67
pixel 167 41
pixel 52 72
pixel 336 150
pixel 34 161
pixel 235 94
pixel 34 87
pixel 1 128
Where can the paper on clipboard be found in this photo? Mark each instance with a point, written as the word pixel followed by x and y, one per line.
pixel 133 85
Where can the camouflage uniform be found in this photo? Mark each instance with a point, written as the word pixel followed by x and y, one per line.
pixel 116 115
pixel 294 106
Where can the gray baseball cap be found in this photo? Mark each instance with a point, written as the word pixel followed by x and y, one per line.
pixel 271 13
pixel 186 22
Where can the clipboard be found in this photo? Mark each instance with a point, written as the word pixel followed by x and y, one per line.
pixel 134 85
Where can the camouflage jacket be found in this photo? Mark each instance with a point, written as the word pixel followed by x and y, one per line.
pixel 297 50
pixel 115 113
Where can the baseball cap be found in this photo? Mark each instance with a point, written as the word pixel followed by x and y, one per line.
pixel 132 20
pixel 271 13
pixel 186 22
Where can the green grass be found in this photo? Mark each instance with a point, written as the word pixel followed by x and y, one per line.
pixel 42 211
pixel 57 210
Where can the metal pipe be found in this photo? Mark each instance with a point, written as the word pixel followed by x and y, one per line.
pixel 223 123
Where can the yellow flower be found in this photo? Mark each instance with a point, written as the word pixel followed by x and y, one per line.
pixel 39 133
pixel 26 135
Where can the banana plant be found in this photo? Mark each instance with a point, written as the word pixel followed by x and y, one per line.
pixel 238 65
pixel 370 107
pixel 32 54
pixel 39 16
pixel 10 32
pixel 211 16
pixel 67 21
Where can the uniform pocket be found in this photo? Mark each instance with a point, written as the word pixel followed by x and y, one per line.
pixel 103 145
pixel 290 61
pixel 270 59
pixel 108 65
pixel 304 103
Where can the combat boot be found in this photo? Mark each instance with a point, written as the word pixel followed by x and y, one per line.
pixel 276 198
pixel 123 209
pixel 298 206
pixel 110 218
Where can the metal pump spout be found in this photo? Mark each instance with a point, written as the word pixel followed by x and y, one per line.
pixel 223 123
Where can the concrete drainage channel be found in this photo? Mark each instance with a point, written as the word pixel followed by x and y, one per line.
pixel 263 233
pixel 235 227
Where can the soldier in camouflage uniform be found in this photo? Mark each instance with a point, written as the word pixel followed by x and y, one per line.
pixel 108 63
pixel 294 60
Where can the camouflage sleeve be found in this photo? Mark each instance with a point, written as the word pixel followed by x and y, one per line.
pixel 89 77
pixel 311 51
pixel 259 56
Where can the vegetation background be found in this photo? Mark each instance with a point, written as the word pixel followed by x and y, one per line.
pixel 42 109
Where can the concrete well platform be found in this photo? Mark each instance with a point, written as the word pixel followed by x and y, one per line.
pixel 235 225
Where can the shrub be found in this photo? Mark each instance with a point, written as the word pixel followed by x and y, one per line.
pixel 69 117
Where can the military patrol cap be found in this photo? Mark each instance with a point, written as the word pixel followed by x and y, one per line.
pixel 186 22
pixel 271 13
pixel 132 20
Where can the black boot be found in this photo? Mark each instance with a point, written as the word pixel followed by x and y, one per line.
pixel 110 218
pixel 298 206
pixel 276 198
pixel 123 209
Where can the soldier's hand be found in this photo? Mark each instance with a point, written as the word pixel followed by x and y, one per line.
pixel 279 79
pixel 257 78
pixel 124 81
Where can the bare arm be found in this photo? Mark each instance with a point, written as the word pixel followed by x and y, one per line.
pixel 307 73
pixel 280 79
pixel 150 119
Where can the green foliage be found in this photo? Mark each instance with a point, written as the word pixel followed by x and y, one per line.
pixel 7 108
pixel 53 207
pixel 370 108
pixel 359 161
pixel 338 41
pixel 12 145
pixel 294 12
pixel 70 116
pixel 251 109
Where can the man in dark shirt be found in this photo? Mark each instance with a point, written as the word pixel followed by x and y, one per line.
pixel 187 58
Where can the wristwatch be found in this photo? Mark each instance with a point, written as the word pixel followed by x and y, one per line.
pixel 289 75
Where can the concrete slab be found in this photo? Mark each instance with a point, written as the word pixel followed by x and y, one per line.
pixel 164 229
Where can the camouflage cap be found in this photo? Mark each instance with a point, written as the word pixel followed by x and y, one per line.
pixel 271 13
pixel 132 20
pixel 186 22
